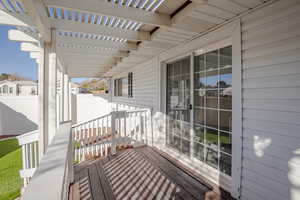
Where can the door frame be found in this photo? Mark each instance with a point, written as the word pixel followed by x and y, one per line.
pixel 232 33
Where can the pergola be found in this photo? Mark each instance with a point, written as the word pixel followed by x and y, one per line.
pixel 99 38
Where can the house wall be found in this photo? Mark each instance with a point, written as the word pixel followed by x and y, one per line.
pixel 271 102
pixel 26 90
pixel 10 85
pixel 270 99
pixel 89 106
pixel 18 114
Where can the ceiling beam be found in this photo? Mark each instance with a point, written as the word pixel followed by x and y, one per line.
pixel 16 35
pixel 88 57
pixel 25 46
pixel 35 55
pixel 74 26
pixel 113 10
pixel 37 11
pixel 15 19
pixel 90 52
pixel 96 43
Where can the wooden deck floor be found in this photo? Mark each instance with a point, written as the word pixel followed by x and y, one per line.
pixel 140 173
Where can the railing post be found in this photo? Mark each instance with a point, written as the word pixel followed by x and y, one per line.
pixel 113 132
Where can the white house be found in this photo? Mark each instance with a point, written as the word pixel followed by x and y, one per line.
pixel 18 88
pixel 205 99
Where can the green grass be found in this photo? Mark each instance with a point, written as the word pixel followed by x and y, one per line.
pixel 10 164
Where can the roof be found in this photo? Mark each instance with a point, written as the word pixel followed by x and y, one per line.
pixel 24 83
pixel 101 38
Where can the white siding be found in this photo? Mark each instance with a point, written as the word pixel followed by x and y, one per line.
pixel 145 86
pixel 271 102
pixel 270 95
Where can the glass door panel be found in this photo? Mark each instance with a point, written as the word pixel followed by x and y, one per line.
pixel 178 105
pixel 212 108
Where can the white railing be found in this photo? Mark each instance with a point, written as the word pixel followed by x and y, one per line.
pixel 30 154
pixel 104 135
pixel 54 174
pixel 87 140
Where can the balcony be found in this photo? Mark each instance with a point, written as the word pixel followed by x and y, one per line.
pixel 109 158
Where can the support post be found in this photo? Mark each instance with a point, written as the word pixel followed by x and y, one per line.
pixel 113 133
pixel 66 96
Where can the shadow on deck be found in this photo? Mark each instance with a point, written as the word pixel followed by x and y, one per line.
pixel 139 173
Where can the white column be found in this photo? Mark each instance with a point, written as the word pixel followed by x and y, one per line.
pixel 41 105
pixel 66 94
pixel 50 89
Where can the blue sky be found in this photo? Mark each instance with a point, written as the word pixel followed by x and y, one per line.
pixel 12 59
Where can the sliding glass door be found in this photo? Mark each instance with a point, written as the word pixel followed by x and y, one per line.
pixel 178 105
pixel 209 140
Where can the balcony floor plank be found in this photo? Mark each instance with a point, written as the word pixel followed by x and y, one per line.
pixel 139 173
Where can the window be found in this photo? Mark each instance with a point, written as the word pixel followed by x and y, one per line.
pixel 5 89
pixel 10 90
pixel 213 106
pixel 130 80
pixel 33 91
pixel 0 90
pixel 123 86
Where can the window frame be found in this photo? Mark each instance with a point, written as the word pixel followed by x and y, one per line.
pixel 119 86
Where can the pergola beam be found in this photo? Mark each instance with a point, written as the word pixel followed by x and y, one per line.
pixel 37 12
pixel 25 46
pixel 96 43
pixel 15 19
pixel 16 35
pixel 90 52
pixel 79 27
pixel 113 10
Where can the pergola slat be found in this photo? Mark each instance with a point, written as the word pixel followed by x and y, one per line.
pixel 79 27
pixel 113 10
pixel 96 43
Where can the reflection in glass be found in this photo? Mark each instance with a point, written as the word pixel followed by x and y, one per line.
pixel 213 105
pixel 199 116
pixel 199 134
pixel 225 120
pixel 225 98
pixel 226 57
pixel 199 63
pixel 200 81
pixel 211 98
pixel 225 142
pixel 178 100
pixel 186 147
pixel 199 151
pixel 225 78
pixel 212 157
pixel 199 97
pixel 212 60
pixel 212 118
pixel 211 137
pixel 212 79
pixel 225 163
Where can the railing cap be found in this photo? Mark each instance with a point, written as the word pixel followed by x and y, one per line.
pixel 29 137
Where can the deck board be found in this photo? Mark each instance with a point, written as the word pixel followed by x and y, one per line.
pixel 140 173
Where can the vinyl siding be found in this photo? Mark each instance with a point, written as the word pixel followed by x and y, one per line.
pixel 270 99
pixel 271 102
pixel 145 86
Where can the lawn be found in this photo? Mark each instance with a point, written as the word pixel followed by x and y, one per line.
pixel 10 164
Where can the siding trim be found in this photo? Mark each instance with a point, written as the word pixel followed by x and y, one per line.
pixel 237 131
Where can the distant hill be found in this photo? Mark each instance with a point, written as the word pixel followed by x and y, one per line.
pixel 95 85
pixel 13 77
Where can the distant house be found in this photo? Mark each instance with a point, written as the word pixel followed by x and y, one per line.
pixel 18 88
pixel 74 88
